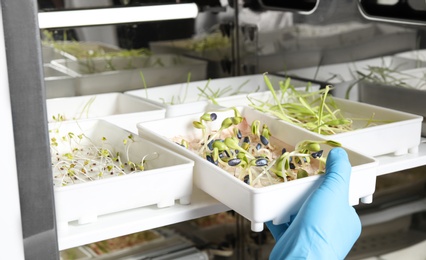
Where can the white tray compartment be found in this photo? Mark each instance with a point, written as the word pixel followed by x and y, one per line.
pixel 58 83
pixel 123 110
pixel 49 53
pixel 342 76
pixel 305 36
pixel 258 205
pixel 75 50
pixel 183 46
pixel 189 93
pixel 401 134
pixel 410 100
pixel 415 58
pixel 157 70
pixel 166 179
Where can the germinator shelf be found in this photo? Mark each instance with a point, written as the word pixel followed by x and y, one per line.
pixel 202 204
pixel 139 219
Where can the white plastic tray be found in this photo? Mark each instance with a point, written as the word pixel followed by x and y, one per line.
pixel 416 58
pixel 96 76
pixel 408 99
pixel 306 36
pixel 400 134
pixel 71 49
pixel 258 204
pixel 214 55
pixel 123 110
pixel 58 83
pixel 416 251
pixel 184 98
pixel 344 75
pixel 165 179
pixel 49 53
pixel 183 46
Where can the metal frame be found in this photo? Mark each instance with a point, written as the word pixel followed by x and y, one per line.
pixel 26 84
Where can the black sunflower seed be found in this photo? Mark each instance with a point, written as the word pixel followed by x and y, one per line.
pixel 234 162
pixel 264 140
pixel 261 162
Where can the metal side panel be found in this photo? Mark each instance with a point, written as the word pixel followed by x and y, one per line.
pixel 11 242
pixel 26 85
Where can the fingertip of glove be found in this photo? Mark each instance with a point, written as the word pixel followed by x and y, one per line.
pixel 337 152
pixel 337 156
pixel 338 163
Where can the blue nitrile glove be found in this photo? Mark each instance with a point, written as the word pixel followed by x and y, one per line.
pixel 326 226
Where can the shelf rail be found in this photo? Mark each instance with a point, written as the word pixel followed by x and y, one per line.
pixel 117 15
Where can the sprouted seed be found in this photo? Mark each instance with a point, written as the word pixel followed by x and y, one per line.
pixel 86 160
pixel 250 153
pixel 58 118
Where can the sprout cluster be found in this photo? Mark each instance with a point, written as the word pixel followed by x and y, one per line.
pixel 393 77
pixel 248 151
pixel 315 111
pixel 83 160
pixel 209 42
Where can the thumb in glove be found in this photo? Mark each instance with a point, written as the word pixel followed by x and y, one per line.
pixel 326 226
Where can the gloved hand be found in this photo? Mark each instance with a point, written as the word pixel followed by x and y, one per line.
pixel 326 226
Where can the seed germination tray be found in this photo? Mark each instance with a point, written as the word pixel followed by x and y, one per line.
pixel 402 90
pixel 373 130
pixel 99 168
pixel 256 197
pixel 103 75
pixel 58 83
pixel 123 110
pixel 400 132
pixel 196 96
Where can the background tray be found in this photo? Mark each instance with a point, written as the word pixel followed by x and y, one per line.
pixel 374 140
pixel 103 75
pixel 408 99
pixel 188 98
pixel 123 110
